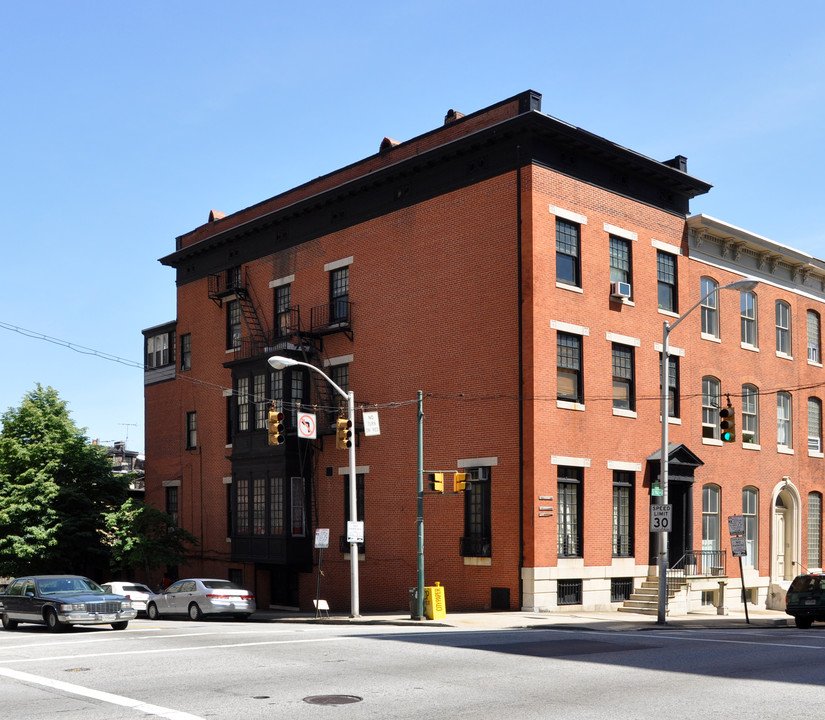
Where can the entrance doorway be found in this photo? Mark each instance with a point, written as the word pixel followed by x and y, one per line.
pixel 783 545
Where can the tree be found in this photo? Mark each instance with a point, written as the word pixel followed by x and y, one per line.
pixel 141 536
pixel 55 487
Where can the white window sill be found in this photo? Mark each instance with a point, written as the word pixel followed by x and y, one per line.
pixel 567 405
pixel 784 450
pixel 814 453
pixel 814 363
pixel 620 412
pixel 751 348
pixel 672 420
pixel 571 288
pixel 669 313
pixel 711 338
pixel 751 446
pixel 783 355
pixel 712 441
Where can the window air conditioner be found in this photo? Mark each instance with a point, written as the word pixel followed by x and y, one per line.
pixel 620 289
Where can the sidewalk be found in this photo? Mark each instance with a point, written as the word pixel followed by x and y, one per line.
pixel 604 621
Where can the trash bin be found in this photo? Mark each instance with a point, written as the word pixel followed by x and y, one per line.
pixel 435 605
pixel 414 604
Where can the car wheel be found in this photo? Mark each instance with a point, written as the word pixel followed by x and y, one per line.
pixel 195 612
pixel 803 623
pixel 52 621
pixel 8 623
pixel 152 611
pixel 122 625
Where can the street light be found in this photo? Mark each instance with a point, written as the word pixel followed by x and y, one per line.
pixel 742 285
pixel 279 363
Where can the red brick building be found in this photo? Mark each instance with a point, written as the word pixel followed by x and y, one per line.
pixel 518 271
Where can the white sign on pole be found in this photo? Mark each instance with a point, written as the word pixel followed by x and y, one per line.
pixel 306 426
pixel 322 538
pixel 355 531
pixel 371 426
pixel 738 546
pixel 661 518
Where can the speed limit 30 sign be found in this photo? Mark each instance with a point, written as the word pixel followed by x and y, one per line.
pixel 661 518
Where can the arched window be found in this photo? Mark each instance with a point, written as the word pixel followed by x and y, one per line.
pixel 783 328
pixel 814 424
pixel 750 512
pixel 711 393
pixel 710 307
pixel 814 355
pixel 750 414
pixel 710 520
pixel 784 419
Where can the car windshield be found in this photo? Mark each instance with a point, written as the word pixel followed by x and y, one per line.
pixel 806 583
pixel 64 585
pixel 221 585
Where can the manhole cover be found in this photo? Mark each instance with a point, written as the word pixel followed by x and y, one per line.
pixel 332 699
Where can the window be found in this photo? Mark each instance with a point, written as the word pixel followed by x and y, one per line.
pixel 568 268
pixel 339 374
pixel 233 325
pixel 569 511
pixel 783 328
pixel 569 368
pixel 711 396
pixel 784 417
pixel 620 261
pixel 666 274
pixel 191 430
pixel 242 504
pixel 750 509
pixel 814 355
pixel 157 350
pixel 283 310
pixel 259 506
pixel 672 384
pixel 478 523
pixel 261 403
pixel 814 425
pixel 623 386
pixel 339 295
pixel 710 518
pixel 298 507
pixel 710 309
pixel 276 505
pixel 185 352
pixel 750 414
pixel 814 530
pixel 242 393
pixel 172 503
pixel 622 513
pixel 747 304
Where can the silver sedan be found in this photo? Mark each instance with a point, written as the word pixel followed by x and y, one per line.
pixel 197 597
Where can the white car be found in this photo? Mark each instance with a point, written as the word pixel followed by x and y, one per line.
pixel 197 597
pixel 137 593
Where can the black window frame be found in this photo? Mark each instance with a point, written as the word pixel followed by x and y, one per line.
pixel 339 280
pixel 623 363
pixel 568 253
pixel 569 362
pixel 191 430
pixel 667 279
pixel 624 482
pixel 570 485
pixel 621 260
pixel 477 540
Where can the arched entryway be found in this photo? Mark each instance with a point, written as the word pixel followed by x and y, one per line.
pixel 785 532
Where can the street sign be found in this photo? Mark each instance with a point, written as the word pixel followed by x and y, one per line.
pixel 371 426
pixel 661 518
pixel 306 426
pixel 736 524
pixel 738 546
pixel 322 538
pixel 355 531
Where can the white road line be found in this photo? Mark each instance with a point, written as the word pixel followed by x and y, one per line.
pixel 138 705
pixel 156 651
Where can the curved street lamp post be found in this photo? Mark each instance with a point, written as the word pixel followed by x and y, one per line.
pixel 279 363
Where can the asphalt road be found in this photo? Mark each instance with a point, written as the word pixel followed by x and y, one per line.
pixel 214 669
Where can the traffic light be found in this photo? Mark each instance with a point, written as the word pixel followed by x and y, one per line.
pixel 343 433
pixel 275 427
pixel 727 424
pixel 437 482
pixel 459 481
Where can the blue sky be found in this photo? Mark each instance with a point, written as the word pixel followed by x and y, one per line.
pixel 123 124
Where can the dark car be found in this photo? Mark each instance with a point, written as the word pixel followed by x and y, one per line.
pixel 59 601
pixel 805 599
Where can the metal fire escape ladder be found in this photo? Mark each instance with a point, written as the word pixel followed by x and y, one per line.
pixel 249 303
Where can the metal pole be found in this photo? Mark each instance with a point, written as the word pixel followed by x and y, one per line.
pixel 353 510
pixel 744 593
pixel 663 475
pixel 419 605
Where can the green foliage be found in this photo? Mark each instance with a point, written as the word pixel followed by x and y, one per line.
pixel 141 536
pixel 54 490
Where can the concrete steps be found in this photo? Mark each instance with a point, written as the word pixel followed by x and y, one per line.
pixel 645 600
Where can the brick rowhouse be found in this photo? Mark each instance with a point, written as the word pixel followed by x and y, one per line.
pixel 518 271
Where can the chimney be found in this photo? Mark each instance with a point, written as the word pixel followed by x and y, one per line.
pixel 452 116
